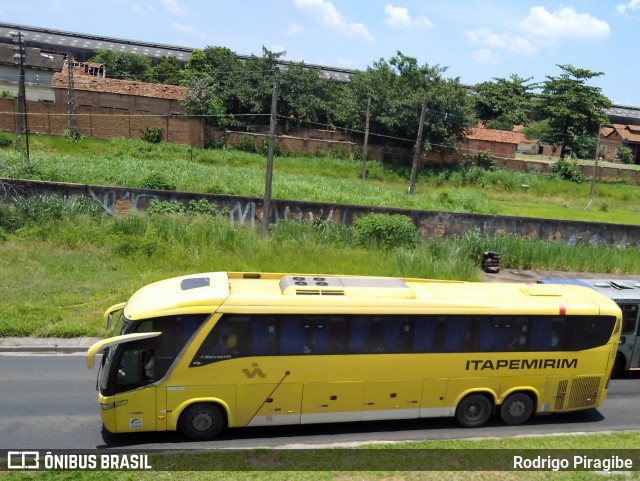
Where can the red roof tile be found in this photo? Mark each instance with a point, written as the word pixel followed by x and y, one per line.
pixel 82 81
pixel 491 135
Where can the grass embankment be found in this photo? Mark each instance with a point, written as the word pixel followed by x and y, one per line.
pixel 63 263
pixel 135 163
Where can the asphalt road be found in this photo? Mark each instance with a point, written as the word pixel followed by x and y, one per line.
pixel 49 402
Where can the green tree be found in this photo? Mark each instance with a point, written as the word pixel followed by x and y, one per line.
pixel 253 88
pixel 584 146
pixel 305 96
pixel 210 75
pixel 242 88
pixel 202 100
pixel 537 130
pixel 123 65
pixel 399 87
pixel 572 108
pixel 501 123
pixel 505 100
pixel 218 62
pixel 167 71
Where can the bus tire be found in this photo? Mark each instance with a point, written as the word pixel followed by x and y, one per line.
pixel 474 410
pixel 516 409
pixel 201 421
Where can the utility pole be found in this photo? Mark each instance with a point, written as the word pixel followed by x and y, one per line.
pixel 418 149
pixel 21 120
pixel 365 148
pixel 71 98
pixel 266 207
pixel 595 167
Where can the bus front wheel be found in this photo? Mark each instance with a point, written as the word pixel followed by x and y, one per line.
pixel 474 410
pixel 516 409
pixel 201 421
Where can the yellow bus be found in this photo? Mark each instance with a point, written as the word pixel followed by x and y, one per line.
pixel 209 351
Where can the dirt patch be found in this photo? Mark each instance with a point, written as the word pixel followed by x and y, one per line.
pixel 513 275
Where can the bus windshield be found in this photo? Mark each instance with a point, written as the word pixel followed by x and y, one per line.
pixel 129 365
pixel 121 325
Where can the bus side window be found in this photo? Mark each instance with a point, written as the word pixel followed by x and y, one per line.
pixel 262 335
pixel 376 334
pixel 494 334
pixel 456 332
pixel 424 333
pixel 324 334
pixel 359 329
pixel 337 335
pixel 543 338
pixel 395 336
pixel 291 335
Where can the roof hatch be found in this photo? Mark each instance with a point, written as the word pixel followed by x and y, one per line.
pixel 345 286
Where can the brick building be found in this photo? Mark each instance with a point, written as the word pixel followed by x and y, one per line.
pixel 113 96
pixel 612 138
pixel 502 144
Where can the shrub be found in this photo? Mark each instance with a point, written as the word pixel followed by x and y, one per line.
pixel 264 149
pixel 202 206
pixel 483 159
pixel 211 143
pixel 71 135
pixel 5 140
pixel 387 231
pixel 246 144
pixel 345 152
pixel 625 154
pixel 152 134
pixel 51 207
pixel 158 182
pixel 164 207
pixel 9 219
pixel 567 170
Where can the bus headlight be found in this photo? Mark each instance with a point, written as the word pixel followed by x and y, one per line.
pixel 107 406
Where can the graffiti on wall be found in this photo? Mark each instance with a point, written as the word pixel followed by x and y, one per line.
pixel 247 211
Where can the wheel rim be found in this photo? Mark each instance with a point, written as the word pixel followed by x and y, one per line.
pixel 517 409
pixel 202 422
pixel 474 411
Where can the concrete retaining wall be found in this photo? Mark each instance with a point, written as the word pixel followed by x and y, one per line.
pixel 248 211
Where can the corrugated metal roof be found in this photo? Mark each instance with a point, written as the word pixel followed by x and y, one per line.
pixel 34 58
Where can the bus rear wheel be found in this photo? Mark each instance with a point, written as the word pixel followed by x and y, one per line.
pixel 474 410
pixel 516 409
pixel 201 421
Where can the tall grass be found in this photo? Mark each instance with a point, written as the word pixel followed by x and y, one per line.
pixel 63 267
pixel 128 162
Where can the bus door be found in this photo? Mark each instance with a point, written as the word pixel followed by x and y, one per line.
pixel 629 339
pixel 128 371
pixel 139 403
